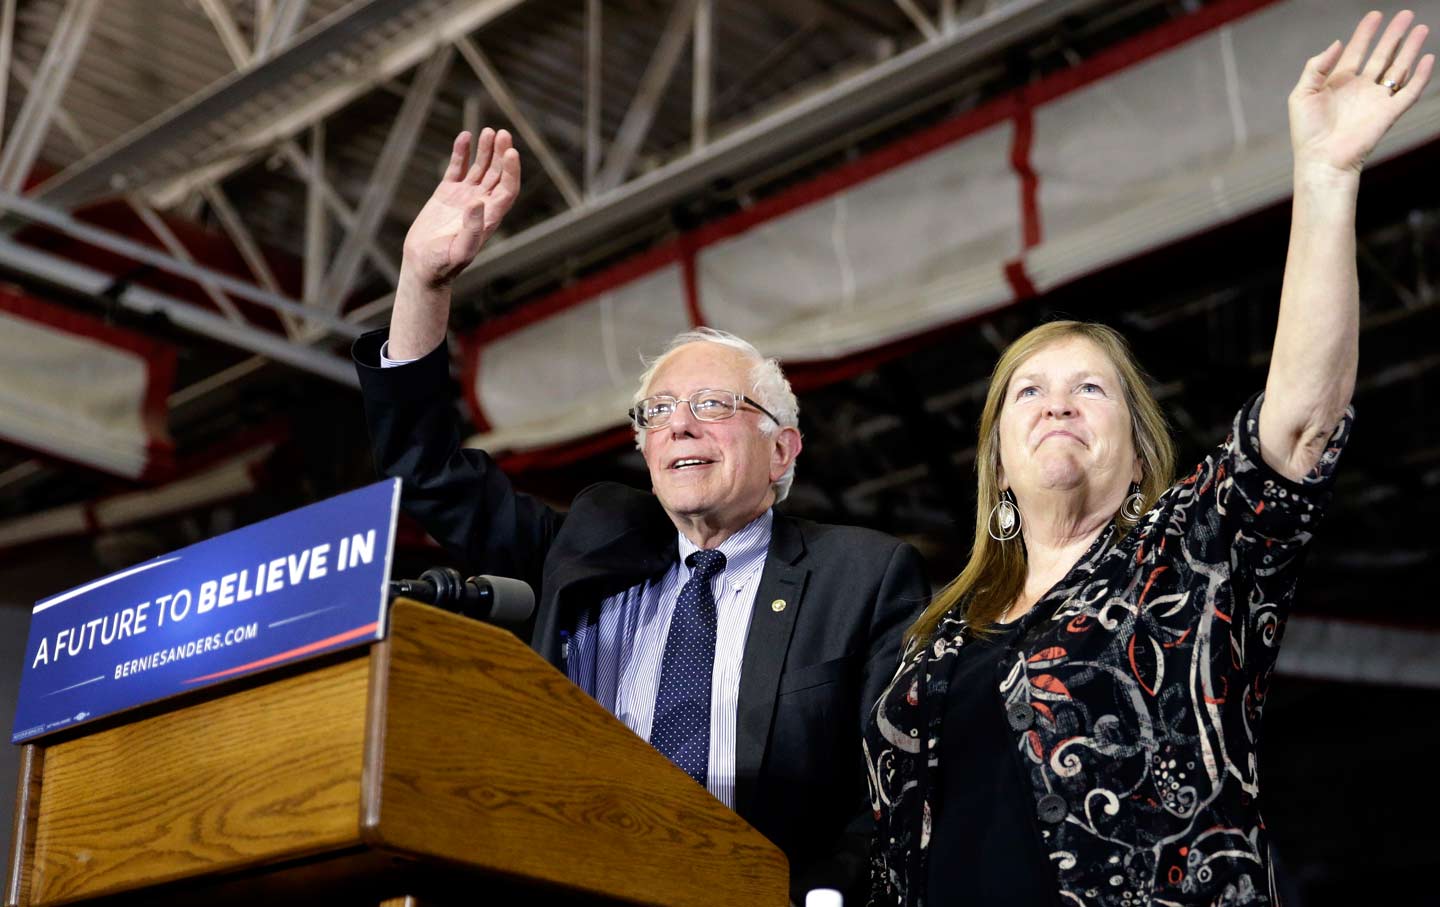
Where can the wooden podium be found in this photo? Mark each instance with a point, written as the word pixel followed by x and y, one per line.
pixel 448 764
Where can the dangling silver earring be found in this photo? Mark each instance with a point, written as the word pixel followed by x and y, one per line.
pixel 1005 515
pixel 1134 506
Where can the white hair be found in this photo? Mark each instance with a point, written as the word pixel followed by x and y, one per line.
pixel 768 385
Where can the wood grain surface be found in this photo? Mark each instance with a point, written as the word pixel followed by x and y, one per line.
pixel 22 837
pixel 492 758
pixel 268 773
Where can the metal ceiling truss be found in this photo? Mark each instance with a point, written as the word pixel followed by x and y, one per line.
pixel 43 106
pixel 43 100
pixel 290 81
pixel 7 50
pixel 237 333
pixel 617 197
pixel 244 116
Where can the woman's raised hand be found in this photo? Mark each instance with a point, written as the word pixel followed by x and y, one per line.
pixel 1347 100
pixel 465 209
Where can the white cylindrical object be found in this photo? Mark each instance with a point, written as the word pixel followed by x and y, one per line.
pixel 824 897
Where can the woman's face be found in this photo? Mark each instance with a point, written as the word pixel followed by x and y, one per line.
pixel 1065 425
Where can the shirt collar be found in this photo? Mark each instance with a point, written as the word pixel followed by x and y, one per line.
pixel 742 550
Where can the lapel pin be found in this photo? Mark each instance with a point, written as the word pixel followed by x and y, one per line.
pixel 777 605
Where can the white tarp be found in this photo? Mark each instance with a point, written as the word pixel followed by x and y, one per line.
pixel 579 366
pixel 80 390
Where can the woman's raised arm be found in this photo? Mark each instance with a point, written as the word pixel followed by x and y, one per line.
pixel 1345 102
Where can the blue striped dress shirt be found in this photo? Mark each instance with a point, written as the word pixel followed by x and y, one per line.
pixel 616 651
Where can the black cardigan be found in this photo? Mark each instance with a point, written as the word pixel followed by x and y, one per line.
pixel 1134 700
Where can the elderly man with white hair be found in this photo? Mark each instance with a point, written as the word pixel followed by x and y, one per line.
pixel 744 644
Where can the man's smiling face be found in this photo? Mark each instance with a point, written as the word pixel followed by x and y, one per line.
pixel 717 473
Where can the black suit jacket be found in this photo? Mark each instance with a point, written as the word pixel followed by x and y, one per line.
pixel 832 604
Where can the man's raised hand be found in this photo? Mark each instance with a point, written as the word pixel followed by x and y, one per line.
pixel 465 208
pixel 463 212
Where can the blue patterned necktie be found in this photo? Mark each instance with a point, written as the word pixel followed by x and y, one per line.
pixel 681 729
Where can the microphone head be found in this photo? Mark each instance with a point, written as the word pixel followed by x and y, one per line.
pixel 512 601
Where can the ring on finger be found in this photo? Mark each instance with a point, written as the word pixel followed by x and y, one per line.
pixel 1391 84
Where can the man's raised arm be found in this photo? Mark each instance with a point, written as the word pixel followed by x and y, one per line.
pixel 461 214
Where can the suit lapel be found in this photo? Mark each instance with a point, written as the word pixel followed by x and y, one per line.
pixel 589 572
pixel 783 580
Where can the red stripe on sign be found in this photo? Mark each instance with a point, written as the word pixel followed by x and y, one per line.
pixel 293 653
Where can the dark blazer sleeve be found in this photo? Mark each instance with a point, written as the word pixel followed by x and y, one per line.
pixel 901 595
pixel 459 495
pixel 904 593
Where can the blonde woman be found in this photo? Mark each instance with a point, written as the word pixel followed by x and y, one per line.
pixel 1076 719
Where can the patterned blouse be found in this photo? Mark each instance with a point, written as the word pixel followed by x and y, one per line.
pixel 1134 697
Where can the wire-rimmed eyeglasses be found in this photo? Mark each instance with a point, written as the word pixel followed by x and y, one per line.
pixel 709 405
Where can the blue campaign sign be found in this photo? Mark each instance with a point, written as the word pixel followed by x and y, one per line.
pixel 292 587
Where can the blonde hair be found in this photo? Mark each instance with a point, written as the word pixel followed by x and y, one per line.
pixel 995 575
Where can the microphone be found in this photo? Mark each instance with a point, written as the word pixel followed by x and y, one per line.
pixel 494 599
